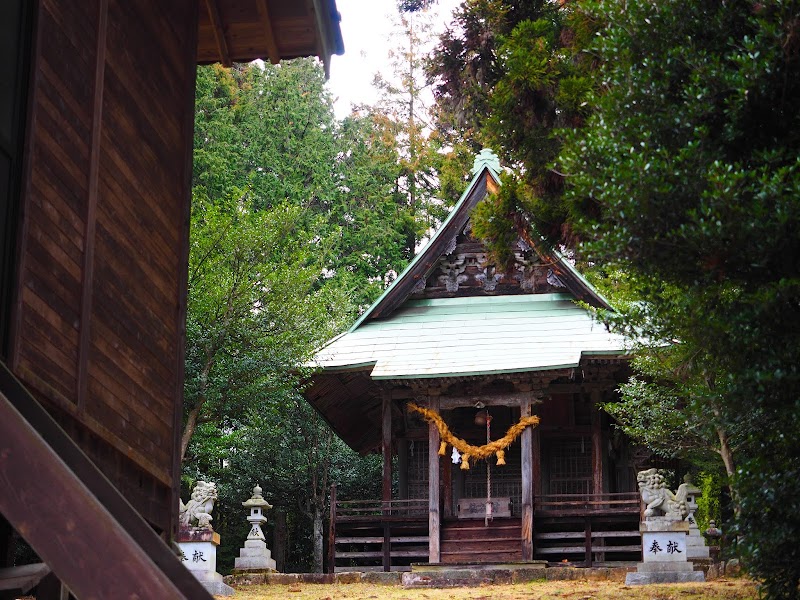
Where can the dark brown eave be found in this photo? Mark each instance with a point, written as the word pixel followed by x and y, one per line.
pixel 244 30
pixel 350 401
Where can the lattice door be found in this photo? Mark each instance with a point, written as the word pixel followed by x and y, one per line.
pixel 570 466
pixel 418 470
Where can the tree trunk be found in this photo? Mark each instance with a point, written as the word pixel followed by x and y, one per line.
pixel 725 451
pixel 188 429
pixel 194 414
pixel 319 540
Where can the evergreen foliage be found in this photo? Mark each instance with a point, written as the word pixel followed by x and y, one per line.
pixel 295 225
pixel 665 137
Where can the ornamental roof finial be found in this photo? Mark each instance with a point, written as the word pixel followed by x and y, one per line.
pixel 486 158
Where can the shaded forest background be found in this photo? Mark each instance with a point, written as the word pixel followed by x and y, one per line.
pixel 656 143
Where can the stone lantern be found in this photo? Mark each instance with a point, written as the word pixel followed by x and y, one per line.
pixel 255 556
pixel 695 544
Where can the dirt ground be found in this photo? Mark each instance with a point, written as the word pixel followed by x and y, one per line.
pixel 719 589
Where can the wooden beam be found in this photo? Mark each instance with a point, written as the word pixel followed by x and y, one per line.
pixel 587 529
pixel 219 33
pixel 269 33
pixel 67 526
pixel 323 51
pixel 506 399
pixel 87 283
pixel 434 521
pixel 397 294
pixel 527 484
pixel 69 509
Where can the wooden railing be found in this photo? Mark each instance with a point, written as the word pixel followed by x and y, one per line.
pixel 368 510
pixel 586 529
pixel 388 534
pixel 376 533
pixel 587 504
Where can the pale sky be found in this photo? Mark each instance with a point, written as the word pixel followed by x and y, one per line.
pixel 366 27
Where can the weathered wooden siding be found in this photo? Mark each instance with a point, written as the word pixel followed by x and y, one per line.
pixel 99 316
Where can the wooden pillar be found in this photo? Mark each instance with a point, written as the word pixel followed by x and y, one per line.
pixel 387 547
pixel 597 444
pixel 527 484
pixel 587 530
pixel 386 494
pixel 434 548
pixel 387 478
pixel 331 533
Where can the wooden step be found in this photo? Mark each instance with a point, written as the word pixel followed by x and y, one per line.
pixel 471 531
pixel 486 540
pixel 482 548
pixel 481 557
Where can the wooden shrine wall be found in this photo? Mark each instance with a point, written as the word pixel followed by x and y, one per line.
pixel 98 322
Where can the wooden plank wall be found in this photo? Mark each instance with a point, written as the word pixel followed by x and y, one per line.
pixel 100 310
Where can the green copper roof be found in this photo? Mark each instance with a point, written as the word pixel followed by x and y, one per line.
pixel 472 336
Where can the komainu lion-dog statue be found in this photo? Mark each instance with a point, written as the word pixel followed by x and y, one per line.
pixel 659 500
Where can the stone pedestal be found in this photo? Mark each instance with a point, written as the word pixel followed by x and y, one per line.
pixel 664 553
pixel 199 554
pixel 255 556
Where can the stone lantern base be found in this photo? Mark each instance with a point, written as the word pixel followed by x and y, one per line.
pixel 255 556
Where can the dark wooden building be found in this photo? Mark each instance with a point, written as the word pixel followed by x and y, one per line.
pixel 96 123
pixel 458 336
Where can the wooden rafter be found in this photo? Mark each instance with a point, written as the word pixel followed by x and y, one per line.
pixel 219 32
pixel 269 34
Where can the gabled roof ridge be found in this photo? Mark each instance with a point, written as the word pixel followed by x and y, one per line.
pixel 430 243
pixel 486 165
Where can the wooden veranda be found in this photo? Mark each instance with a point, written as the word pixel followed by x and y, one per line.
pixel 585 530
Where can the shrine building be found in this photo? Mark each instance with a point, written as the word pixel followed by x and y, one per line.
pixel 480 350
